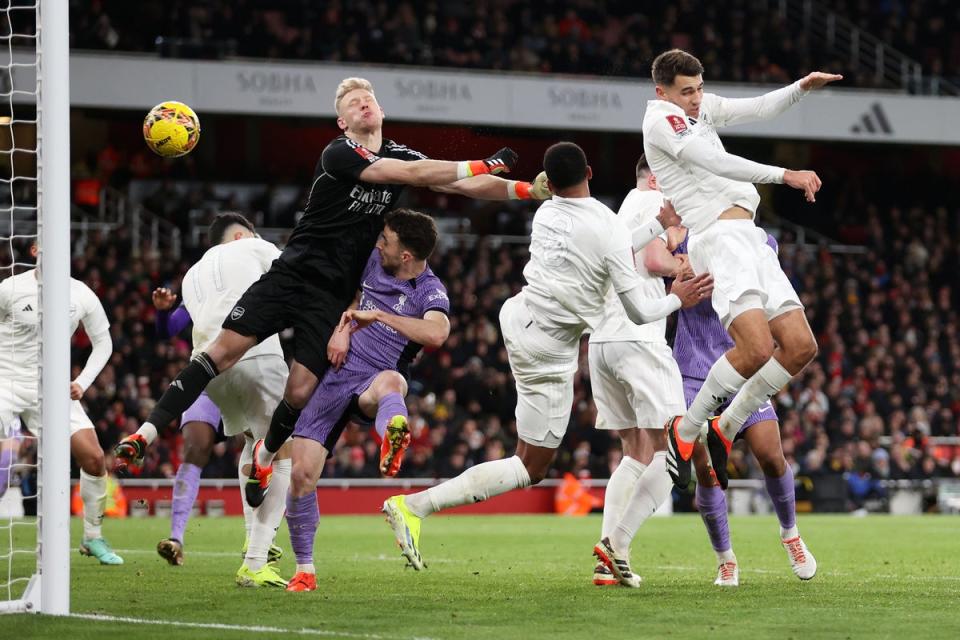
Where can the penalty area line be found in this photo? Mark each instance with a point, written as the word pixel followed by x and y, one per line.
pixel 234 627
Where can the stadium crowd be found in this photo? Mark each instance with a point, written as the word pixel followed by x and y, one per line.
pixel 738 40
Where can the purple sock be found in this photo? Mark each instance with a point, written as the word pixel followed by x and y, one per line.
pixel 185 487
pixel 303 516
pixel 6 460
pixel 712 503
pixel 391 405
pixel 781 492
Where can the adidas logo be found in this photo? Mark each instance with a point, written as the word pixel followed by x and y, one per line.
pixel 873 121
pixel 177 384
pixel 29 307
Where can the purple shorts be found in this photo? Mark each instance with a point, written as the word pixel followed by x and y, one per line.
pixel 766 411
pixel 334 403
pixel 204 410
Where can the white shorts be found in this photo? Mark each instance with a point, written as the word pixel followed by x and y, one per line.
pixel 746 271
pixel 543 368
pixel 635 384
pixel 248 393
pixel 22 401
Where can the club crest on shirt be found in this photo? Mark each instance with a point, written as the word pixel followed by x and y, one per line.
pixel 399 306
pixel 237 313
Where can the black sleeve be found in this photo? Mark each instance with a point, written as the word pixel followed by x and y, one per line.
pixel 345 159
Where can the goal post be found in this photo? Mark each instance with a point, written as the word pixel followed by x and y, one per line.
pixel 34 41
pixel 53 171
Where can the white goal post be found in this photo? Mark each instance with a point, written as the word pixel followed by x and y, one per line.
pixel 48 590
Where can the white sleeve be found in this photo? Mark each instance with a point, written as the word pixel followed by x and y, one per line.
pixel 645 233
pixel 705 155
pixel 621 269
pixel 618 259
pixel 668 133
pixel 268 252
pixel 97 326
pixel 641 309
pixel 731 111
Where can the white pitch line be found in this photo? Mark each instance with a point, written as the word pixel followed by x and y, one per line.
pixel 234 627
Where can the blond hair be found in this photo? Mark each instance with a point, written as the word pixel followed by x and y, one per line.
pixel 346 86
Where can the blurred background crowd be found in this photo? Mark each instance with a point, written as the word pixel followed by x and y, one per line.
pixel 738 40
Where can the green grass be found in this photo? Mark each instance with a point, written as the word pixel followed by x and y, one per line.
pixel 529 577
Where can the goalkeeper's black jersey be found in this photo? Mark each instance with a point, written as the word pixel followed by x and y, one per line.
pixel 344 215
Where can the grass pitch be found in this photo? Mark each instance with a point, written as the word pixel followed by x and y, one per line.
pixel 524 577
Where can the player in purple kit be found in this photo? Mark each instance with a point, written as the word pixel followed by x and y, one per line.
pixel 700 341
pixel 402 307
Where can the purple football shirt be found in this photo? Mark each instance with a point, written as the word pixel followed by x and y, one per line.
pixel 379 346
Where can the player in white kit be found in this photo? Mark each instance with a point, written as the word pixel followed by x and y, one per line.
pixel 713 193
pixel 636 386
pixel 20 381
pixel 578 250
pixel 248 392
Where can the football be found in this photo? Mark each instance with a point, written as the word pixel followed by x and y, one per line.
pixel 171 129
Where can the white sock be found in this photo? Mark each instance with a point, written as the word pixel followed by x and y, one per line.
pixel 246 458
pixel 93 492
pixel 476 484
pixel 722 383
pixel 620 487
pixel 650 492
pixel 789 534
pixel 264 457
pixel 726 556
pixel 761 386
pixel 148 431
pixel 306 568
pixel 267 517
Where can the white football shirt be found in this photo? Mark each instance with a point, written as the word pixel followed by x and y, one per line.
pixel 579 249
pixel 20 325
pixel 699 195
pixel 212 286
pixel 637 209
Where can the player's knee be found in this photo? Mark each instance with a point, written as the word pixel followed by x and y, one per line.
pixel 536 471
pixel 806 350
pixel 298 391
pixel 196 454
pixel 92 463
pixel 757 353
pixel 391 382
pixel 302 481
pixel 773 466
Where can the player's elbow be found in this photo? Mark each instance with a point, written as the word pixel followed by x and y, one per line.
pixel 437 338
pixel 658 265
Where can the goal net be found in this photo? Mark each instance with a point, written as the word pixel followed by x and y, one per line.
pixel 34 210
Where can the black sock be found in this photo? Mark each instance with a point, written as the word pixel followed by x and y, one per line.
pixel 184 390
pixel 281 426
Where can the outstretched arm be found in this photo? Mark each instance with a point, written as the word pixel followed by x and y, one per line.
pixel 700 152
pixel 488 187
pixel 733 111
pixel 436 172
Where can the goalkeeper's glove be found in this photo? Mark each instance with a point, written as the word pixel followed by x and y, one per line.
pixel 502 161
pixel 537 190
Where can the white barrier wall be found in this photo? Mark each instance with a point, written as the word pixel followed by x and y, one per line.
pixel 516 100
